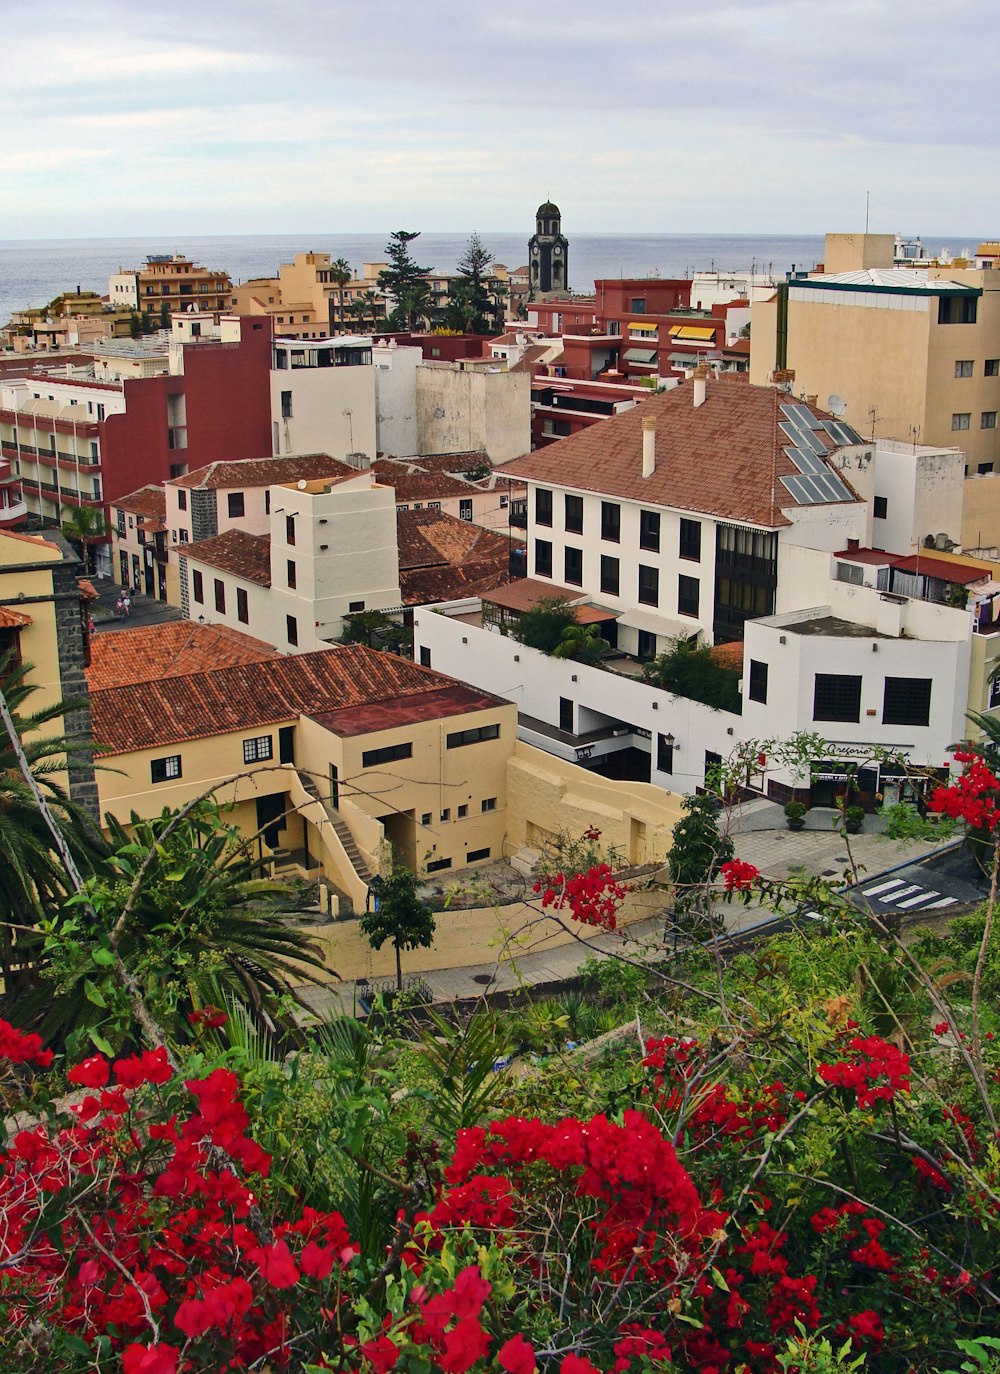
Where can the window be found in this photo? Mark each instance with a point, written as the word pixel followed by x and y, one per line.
pixel 991 368
pixel 291 629
pixel 286 744
pixel 258 749
pixel 907 701
pixel 837 696
pixel 758 681
pixel 690 541
pixel 353 607
pixel 465 509
pixel 198 587
pixel 609 575
pixel 963 368
pixel 574 514
pixel 646 647
pixel 994 693
pixel 237 505
pixel 573 560
pixel 242 607
pixel 162 770
pixel 543 558
pixel 881 507
pixel 267 501
pixel 477 735
pixel 437 864
pixel 665 753
pixel 290 530
pixel 638 305
pixel 649 585
pixel 290 572
pixel 286 405
pixel 446 814
pixel 649 530
pixel 131 523
pixel 425 656
pixel 611 522
pixel 121 522
pixel 988 419
pixel 957 309
pixel 476 856
pixel 426 818
pixel 960 420
pixel 489 804
pixel 566 715
pixel 463 811
pixel 984 468
pixel 389 753
pixel 543 507
pixel 688 595
pixel 182 499
pixel 184 536
pixel 220 596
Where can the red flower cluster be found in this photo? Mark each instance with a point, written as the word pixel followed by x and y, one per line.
pixel 208 1017
pixel 876 1072
pixel 739 875
pixel 592 897
pixel 22 1049
pixel 973 797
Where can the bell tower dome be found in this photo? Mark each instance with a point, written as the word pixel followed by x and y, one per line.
pixel 548 254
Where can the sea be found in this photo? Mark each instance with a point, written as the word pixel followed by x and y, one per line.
pixel 32 272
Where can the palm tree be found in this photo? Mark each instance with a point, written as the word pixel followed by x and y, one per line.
pixel 85 526
pixel 193 923
pixel 340 275
pixel 374 306
pixel 33 881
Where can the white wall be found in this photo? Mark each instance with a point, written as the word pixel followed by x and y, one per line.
pixel 460 411
pixel 320 398
pixel 396 398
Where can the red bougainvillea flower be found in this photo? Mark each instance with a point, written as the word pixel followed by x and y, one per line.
pixel 516 1356
pixel 739 875
pixel 972 798
pixel 150 1359
pixel 91 1073
pixel 208 1017
pixel 592 897
pixel 22 1049
pixel 877 1071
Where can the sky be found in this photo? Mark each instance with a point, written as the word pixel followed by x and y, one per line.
pixel 127 117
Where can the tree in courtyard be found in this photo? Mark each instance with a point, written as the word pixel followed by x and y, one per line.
pixel 471 308
pixel 543 626
pixel 340 275
pixel 697 852
pixel 373 628
pixel 399 916
pixel 85 526
pixel 691 670
pixel 405 282
pixel 583 644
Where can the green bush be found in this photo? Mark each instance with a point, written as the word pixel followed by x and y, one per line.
pixel 690 670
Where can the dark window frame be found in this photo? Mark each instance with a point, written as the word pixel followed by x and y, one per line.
pixel 688 596
pixel 689 540
pixel 649 585
pixel 387 753
pixel 757 681
pixel 160 769
pixel 907 701
pixel 573 513
pixel 236 504
pixel 478 734
pixel 543 566
pixel 197 586
pixel 543 507
pixel 649 530
pixel 837 697
pixel 259 749
pixel 880 507
pixel 610 574
pixel 573 565
pixel 611 522
pixel 242 606
pixel 220 595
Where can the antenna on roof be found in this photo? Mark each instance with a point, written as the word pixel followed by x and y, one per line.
pixel 836 405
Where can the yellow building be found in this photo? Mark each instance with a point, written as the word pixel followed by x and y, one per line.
pixel 337 762
pixel 170 282
pixel 305 300
pixel 44 623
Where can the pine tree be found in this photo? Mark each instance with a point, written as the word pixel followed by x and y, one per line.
pixel 405 282
pixel 471 307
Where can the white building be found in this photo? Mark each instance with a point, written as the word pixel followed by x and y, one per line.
pixel 323 396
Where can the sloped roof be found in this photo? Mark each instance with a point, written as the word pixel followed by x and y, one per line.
pixel 151 652
pixel 723 458
pixel 441 558
pixel 264 472
pixel 149 502
pixel 13 620
pixel 158 713
pixel 237 552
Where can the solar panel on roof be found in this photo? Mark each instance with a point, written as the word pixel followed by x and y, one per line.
pixel 853 437
pixel 803 416
pixel 812 440
pixel 831 428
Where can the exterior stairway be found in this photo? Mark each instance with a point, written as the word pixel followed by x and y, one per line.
pixel 345 837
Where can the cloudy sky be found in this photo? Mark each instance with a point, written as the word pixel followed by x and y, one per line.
pixel 273 116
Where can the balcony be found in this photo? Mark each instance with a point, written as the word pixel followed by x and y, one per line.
pixel 12 514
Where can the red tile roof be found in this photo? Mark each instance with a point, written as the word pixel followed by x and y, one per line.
pixel 441 558
pixel 237 552
pixel 173 649
pixel 722 458
pixel 264 472
pixel 13 620
pixel 149 502
pixel 155 714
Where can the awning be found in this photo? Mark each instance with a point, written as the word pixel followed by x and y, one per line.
pixel 643 324
pixel 691 331
pixel 640 355
pixel 658 624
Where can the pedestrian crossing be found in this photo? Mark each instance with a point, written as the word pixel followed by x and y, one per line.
pixel 906 896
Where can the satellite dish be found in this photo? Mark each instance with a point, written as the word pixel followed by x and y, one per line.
pixel 835 404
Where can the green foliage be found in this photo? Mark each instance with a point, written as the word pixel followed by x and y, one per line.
pixel 402 918
pixel 690 670
pixel 461 1059
pixel 470 308
pixel 405 282
pixel 192 921
pixel 583 644
pixel 376 629
pixel 85 526
pixel 904 822
pixel 983 1356
pixel 545 624
pixel 698 849
pixel 795 810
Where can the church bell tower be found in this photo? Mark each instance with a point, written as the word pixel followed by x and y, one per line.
pixel 548 254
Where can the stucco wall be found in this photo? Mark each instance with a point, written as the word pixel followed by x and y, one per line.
pixel 464 411
pixel 320 400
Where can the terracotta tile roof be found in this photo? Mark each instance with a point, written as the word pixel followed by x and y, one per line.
pixel 441 558
pixel 13 620
pixel 237 552
pixel 430 477
pixel 149 502
pixel 728 655
pixel 264 472
pixel 173 649
pixel 155 714
pixel 722 458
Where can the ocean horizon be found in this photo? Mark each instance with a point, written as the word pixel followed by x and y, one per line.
pixel 34 271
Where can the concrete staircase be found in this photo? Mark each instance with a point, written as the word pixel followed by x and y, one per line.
pixel 347 843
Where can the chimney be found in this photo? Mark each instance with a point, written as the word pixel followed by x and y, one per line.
pixel 812 400
pixel 648 445
pixel 700 384
pixel 853 545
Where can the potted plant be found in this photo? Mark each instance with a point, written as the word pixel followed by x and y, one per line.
pixel 795 814
pixel 854 819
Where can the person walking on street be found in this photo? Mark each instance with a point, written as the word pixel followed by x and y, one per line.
pixel 120 606
pixel 126 606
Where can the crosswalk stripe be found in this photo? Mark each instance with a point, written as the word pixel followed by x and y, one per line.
pixel 924 896
pixel 882 887
pixel 906 892
pixel 945 901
